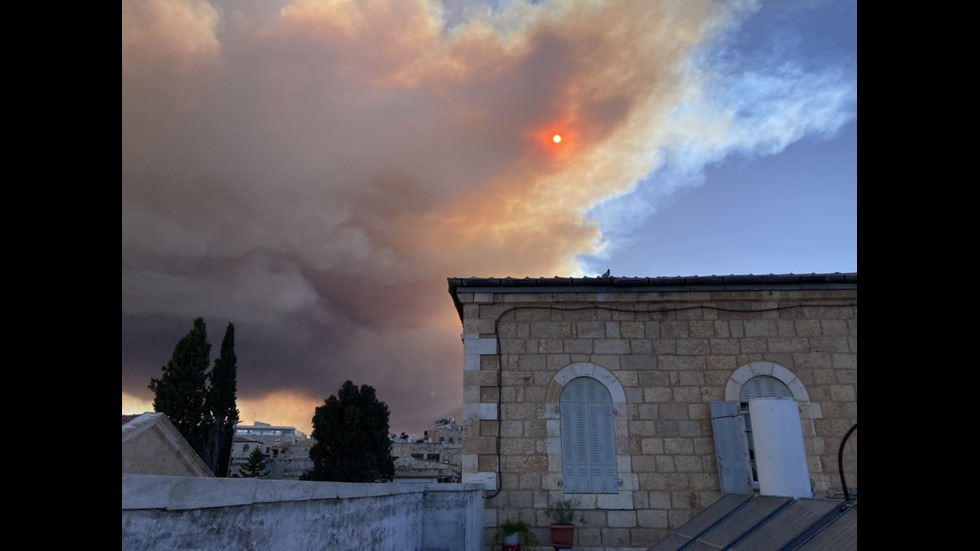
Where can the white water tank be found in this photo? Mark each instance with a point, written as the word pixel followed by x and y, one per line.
pixel 779 453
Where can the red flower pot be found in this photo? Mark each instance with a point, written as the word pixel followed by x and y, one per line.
pixel 562 535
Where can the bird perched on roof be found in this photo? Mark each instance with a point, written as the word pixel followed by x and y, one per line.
pixel 605 274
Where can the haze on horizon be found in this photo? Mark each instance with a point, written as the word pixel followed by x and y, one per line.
pixel 313 170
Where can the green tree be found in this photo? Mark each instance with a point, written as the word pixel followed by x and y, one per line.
pixel 255 465
pixel 350 432
pixel 201 403
pixel 180 392
pixel 221 406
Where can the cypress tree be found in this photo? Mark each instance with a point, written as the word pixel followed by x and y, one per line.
pixel 221 406
pixel 181 391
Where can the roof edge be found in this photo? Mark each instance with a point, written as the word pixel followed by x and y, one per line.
pixel 846 280
pixel 775 279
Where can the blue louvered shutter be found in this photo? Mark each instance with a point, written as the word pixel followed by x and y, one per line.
pixel 732 469
pixel 588 438
pixel 602 440
pixel 574 448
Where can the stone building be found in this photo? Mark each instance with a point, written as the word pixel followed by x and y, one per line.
pixel 436 457
pixel 151 444
pixel 647 399
pixel 286 451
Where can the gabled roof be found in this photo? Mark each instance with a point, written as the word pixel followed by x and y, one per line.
pixel 145 436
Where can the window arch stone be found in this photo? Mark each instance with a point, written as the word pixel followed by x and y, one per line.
pixel 734 387
pixel 584 369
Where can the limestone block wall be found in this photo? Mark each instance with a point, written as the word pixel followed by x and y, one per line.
pixel 664 356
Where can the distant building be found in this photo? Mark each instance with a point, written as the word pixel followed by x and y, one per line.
pixel 436 457
pixel 286 450
pixel 269 434
pixel 152 445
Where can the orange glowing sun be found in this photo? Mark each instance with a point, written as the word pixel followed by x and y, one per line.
pixel 556 138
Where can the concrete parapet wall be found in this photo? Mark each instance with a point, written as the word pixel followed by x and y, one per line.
pixel 170 512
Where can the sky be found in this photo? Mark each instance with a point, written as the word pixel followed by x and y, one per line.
pixel 313 171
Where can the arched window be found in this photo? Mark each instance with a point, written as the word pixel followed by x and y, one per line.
pixel 588 443
pixel 775 391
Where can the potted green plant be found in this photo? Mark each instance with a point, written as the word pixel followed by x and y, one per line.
pixel 513 533
pixel 562 514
